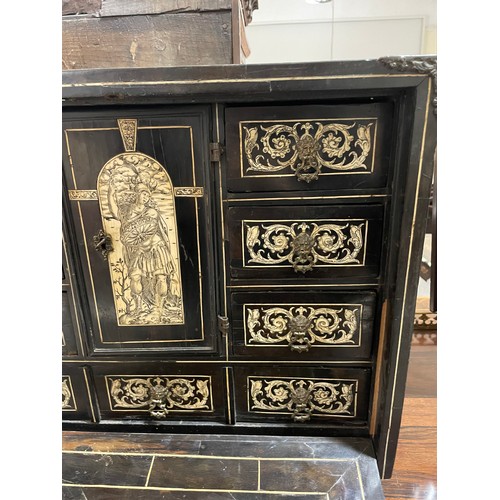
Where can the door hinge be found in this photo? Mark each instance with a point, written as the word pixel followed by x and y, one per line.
pixel 223 323
pixel 216 151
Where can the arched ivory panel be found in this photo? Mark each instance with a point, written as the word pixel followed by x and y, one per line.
pixel 136 200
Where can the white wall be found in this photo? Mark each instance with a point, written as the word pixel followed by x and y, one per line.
pixel 294 30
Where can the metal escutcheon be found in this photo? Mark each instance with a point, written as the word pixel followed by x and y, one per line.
pixel 103 243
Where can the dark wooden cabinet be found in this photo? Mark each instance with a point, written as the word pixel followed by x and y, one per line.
pixel 241 246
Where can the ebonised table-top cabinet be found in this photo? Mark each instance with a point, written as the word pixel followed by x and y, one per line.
pixel 241 246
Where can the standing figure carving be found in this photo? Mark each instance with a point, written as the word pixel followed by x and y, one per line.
pixel 138 211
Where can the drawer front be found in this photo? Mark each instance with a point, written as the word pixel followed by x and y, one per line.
pixel 141 210
pixel 303 325
pixel 159 392
pixel 304 243
pixel 303 395
pixel 295 148
pixel 76 404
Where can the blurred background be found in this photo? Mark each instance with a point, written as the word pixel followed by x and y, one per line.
pixel 319 30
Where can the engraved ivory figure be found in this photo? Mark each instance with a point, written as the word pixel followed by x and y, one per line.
pixel 137 206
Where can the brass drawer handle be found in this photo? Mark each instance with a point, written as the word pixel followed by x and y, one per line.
pixel 298 339
pixel 301 402
pixel 158 402
pixel 103 243
pixel 308 167
pixel 303 258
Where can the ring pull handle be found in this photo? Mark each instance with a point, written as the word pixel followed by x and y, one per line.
pixel 303 259
pixel 298 339
pixel 158 402
pixel 301 399
pixel 103 243
pixel 308 167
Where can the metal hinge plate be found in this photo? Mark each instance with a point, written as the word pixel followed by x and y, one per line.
pixel 223 323
pixel 216 151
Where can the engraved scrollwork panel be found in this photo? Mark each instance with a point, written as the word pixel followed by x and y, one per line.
pixel 307 149
pixel 302 397
pixel 82 194
pixel 160 393
pixel 304 245
pixel 318 325
pixel 68 396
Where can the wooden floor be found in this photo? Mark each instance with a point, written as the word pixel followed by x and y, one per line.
pixel 415 471
pixel 94 459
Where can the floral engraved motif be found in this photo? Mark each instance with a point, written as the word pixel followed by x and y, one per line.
pixel 304 245
pixel 169 393
pixel 82 194
pixel 68 400
pixel 303 397
pixel 424 65
pixel 128 131
pixel 195 192
pixel 306 148
pixel 318 324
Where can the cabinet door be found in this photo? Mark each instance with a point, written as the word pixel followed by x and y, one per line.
pixel 140 199
pixel 70 324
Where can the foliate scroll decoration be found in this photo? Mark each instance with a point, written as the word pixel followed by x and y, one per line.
pixel 306 148
pixel 423 65
pixel 160 394
pixel 128 131
pixel 304 245
pixel 82 194
pixel 301 327
pixel 136 200
pixel 303 398
pixel 188 192
pixel 68 398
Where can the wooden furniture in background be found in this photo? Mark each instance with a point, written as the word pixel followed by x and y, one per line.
pixel 154 33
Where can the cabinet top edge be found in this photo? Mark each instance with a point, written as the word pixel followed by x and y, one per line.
pixel 172 81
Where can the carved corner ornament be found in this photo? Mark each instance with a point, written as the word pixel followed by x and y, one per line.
pixel 426 65
pixel 248 6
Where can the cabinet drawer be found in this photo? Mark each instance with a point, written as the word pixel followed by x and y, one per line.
pixel 76 404
pixel 159 392
pixel 302 395
pixel 308 148
pixel 303 325
pixel 303 243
